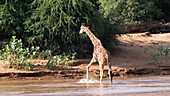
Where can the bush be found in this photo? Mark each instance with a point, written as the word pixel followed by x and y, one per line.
pixel 20 58
pixel 60 61
pixel 130 11
pixel 15 54
pixel 162 56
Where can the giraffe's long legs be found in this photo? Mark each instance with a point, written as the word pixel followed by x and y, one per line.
pixel 87 68
pixel 101 66
pixel 110 72
pixel 110 75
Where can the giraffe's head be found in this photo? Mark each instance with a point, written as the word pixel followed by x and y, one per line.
pixel 82 28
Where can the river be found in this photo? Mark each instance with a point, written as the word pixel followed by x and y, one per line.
pixel 121 86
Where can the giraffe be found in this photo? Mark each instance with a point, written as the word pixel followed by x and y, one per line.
pixel 100 54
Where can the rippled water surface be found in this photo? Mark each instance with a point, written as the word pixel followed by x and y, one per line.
pixel 69 87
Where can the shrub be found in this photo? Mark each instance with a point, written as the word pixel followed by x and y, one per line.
pixel 162 56
pixel 15 54
pixel 46 54
pixel 60 61
pixel 130 11
pixel 19 57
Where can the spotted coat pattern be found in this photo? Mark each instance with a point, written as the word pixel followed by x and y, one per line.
pixel 100 54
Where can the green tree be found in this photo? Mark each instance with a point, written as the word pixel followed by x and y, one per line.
pixel 12 15
pixel 54 25
pixel 164 6
pixel 130 11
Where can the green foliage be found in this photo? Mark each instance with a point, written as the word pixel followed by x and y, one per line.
pixel 19 57
pixel 12 15
pixel 164 6
pixel 54 25
pixel 162 56
pixel 15 54
pixel 46 54
pixel 33 52
pixel 130 11
pixel 60 61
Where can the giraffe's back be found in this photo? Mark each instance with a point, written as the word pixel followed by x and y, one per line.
pixel 101 54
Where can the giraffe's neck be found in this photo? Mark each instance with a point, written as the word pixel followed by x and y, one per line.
pixel 95 41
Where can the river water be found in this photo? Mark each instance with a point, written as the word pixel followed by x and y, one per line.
pixel 70 87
